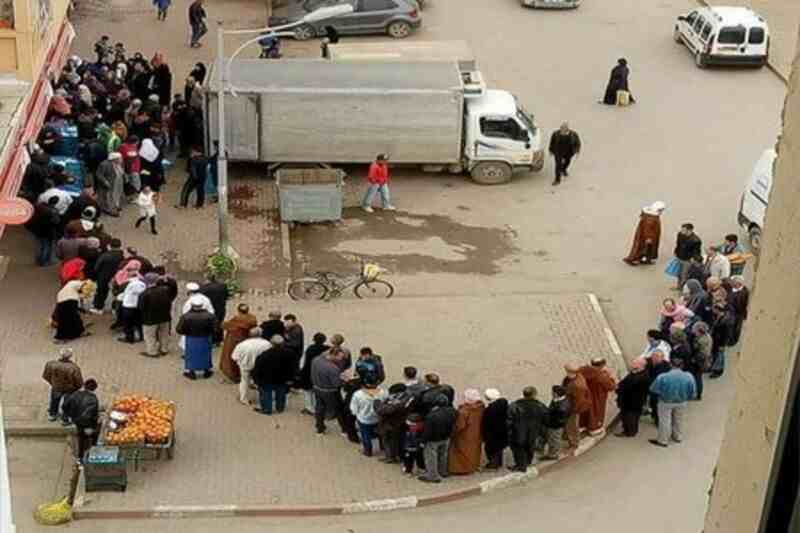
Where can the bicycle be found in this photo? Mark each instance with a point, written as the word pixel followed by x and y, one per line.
pixel 327 285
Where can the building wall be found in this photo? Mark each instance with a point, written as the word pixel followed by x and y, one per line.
pixel 23 49
pixel 769 347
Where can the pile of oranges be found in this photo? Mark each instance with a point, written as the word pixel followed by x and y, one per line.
pixel 149 421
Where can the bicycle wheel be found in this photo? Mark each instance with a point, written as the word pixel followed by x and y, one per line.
pixel 376 288
pixel 307 289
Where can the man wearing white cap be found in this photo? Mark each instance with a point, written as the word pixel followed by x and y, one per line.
pixel 193 293
pixel 197 326
pixel 245 355
pixel 494 428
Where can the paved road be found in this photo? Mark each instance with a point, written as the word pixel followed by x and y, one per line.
pixel 690 141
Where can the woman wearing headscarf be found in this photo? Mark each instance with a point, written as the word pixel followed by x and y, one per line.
pixel 152 172
pixel 494 428
pixel 618 81
pixel 672 312
pixel 697 300
pixel 198 73
pixel 739 297
pixel 60 107
pixel 85 97
pixel 644 249
pixel 66 318
pixel 464 456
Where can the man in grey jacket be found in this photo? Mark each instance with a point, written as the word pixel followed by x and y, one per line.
pixel 109 184
pixel 327 381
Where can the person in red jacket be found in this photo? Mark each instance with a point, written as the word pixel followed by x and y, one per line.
pixel 378 179
pixel 132 165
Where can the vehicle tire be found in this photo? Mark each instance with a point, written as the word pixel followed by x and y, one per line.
pixel 305 32
pixel 676 34
pixel 699 61
pixel 539 166
pixel 307 289
pixel 755 239
pixel 491 173
pixel 376 288
pixel 399 29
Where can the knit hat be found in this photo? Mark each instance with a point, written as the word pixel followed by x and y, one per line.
pixel 491 394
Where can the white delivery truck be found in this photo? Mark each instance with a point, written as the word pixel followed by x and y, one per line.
pixel 427 113
pixel 755 198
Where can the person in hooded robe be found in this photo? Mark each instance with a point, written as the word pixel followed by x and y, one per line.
pixel 162 77
pixel 110 184
pixel 66 318
pixel 464 456
pixel 647 237
pixel 237 329
pixel 192 290
pixel 197 326
pixel 494 428
pixel 618 81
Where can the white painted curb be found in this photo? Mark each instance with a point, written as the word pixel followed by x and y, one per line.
pixel 408 502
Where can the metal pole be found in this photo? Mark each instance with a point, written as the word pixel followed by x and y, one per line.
pixel 222 157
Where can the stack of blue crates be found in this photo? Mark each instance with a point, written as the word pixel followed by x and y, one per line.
pixel 74 167
pixel 68 145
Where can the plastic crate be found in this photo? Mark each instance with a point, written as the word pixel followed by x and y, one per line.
pixel 69 143
pixel 310 195
pixel 74 167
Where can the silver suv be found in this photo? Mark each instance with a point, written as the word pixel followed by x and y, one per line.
pixel 398 18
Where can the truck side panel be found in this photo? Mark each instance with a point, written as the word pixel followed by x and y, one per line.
pixel 242 119
pixel 328 126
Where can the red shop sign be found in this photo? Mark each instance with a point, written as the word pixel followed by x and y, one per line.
pixel 15 211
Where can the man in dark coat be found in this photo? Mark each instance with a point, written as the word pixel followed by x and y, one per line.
pixel 218 293
pixel 425 401
pixel 83 409
pixel 618 81
pixel 155 304
pixel 273 325
pixel 656 365
pixel 392 413
pixel 564 145
pixel 106 266
pixel 197 21
pixel 36 174
pixel 271 374
pixel 687 246
pixel 44 226
pixel 632 392
pixel 494 428
pixel 739 299
pixel 295 339
pixel 557 414
pixel 438 427
pixel 198 326
pixel 526 418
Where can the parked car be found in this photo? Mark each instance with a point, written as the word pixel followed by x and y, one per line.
pixel 724 36
pixel 397 18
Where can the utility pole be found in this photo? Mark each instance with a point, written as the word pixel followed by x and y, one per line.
pixel 222 150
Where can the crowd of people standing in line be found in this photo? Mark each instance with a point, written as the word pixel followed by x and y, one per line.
pixel 108 130
pixel 693 331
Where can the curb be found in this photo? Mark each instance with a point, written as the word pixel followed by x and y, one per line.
pixel 770 65
pixel 80 512
pixel 39 431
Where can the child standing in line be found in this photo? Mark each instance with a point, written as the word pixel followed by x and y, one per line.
pixel 147 208
pixel 412 450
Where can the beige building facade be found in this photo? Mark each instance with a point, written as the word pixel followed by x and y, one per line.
pixel 755 449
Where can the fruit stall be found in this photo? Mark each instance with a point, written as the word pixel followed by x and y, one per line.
pixel 142 427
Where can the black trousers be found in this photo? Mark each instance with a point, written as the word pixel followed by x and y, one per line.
pixel 523 456
pixel 131 323
pixel 412 457
pixel 101 295
pixel 392 444
pixel 630 422
pixel 698 382
pixel 562 164
pixel 192 184
pixel 494 456
pixel 327 404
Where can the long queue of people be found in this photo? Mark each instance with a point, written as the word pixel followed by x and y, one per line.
pixel 415 421
pixel 109 128
pixel 691 335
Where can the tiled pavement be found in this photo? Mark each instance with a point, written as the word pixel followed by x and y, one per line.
pixel 228 454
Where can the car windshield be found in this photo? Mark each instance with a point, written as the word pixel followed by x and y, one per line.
pixel 313 5
pixel 526 118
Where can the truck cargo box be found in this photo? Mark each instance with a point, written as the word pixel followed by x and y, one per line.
pixel 319 111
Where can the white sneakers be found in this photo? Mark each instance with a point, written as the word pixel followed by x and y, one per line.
pixel 95 311
pixel 369 209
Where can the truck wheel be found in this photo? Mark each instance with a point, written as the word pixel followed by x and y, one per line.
pixel 491 173
pixel 538 166
pixel 399 29
pixel 676 34
pixel 755 239
pixel 304 33
pixel 699 61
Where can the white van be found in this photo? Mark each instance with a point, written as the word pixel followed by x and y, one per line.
pixel 724 36
pixel 753 205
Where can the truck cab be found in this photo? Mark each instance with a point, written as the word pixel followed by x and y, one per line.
pixel 499 137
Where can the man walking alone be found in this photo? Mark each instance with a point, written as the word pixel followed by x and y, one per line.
pixel 197 20
pixel 378 179
pixel 564 145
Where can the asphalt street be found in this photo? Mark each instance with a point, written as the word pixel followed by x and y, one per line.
pixel 690 140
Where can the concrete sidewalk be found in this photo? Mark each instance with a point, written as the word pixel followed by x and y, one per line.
pixel 228 454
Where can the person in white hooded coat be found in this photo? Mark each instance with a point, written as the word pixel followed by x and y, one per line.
pixel 194 296
pixel 152 170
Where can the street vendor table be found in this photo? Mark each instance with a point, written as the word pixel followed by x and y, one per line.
pixel 136 452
